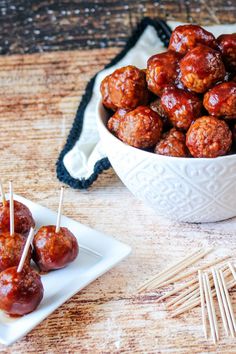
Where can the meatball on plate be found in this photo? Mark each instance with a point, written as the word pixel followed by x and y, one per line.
pixel 29 296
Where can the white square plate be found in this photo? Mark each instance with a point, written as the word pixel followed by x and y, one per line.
pixel 98 253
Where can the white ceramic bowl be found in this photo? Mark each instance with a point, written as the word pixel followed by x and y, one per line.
pixel 184 189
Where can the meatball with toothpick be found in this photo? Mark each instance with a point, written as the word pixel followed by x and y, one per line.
pixel 54 246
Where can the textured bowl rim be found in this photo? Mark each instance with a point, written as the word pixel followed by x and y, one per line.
pixel 101 125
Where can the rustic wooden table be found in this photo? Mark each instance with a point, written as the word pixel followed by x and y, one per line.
pixel 39 94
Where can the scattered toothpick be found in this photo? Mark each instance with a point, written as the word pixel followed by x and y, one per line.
pixel 184 295
pixel 193 302
pixel 161 278
pixel 189 305
pixel 164 272
pixel 177 290
pixel 192 272
pixel 201 290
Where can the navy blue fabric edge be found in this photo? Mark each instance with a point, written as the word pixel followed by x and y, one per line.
pixel 163 32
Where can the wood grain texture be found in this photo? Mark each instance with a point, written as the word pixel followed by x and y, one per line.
pixel 36 26
pixel 39 94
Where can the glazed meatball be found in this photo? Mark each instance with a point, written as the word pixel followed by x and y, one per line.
pixel 156 106
pixel 182 107
pixel 22 217
pixel 125 88
pixel 187 37
pixel 11 249
pixel 172 144
pixel 201 68
pixel 113 123
pixel 106 100
pixel 162 70
pixel 221 100
pixel 227 46
pixel 141 128
pixel 54 250
pixel 20 293
pixel 208 137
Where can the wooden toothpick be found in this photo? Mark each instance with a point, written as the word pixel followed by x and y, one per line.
pixel 232 270
pixel 26 249
pixel 190 282
pixel 191 272
pixel 213 311
pixel 220 301
pixel 156 277
pixel 12 224
pixel 230 307
pixel 209 309
pixel 224 300
pixel 59 210
pixel 177 290
pixel 161 278
pixel 195 302
pixel 203 303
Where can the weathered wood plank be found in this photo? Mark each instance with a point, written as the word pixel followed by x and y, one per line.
pixel 36 26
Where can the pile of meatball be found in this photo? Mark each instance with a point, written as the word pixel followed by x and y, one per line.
pixel 184 103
